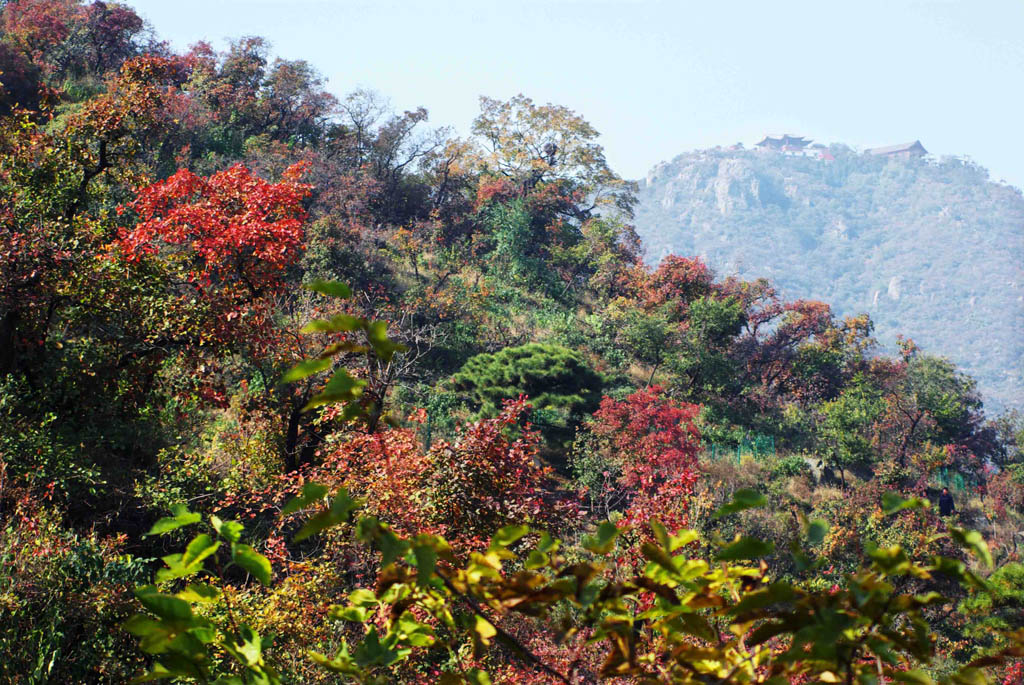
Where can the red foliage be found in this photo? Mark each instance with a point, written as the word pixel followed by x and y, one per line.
pixel 654 441
pixel 464 490
pixel 232 225
pixel 492 189
pixel 490 478
pixel 63 36
pixel 654 436
pixel 680 280
pixel 36 26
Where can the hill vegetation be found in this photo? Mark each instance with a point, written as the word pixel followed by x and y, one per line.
pixel 295 388
pixel 930 249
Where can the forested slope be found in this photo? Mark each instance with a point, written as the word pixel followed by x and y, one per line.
pixel 931 249
pixel 298 389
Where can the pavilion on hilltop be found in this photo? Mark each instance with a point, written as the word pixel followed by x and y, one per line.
pixel 784 143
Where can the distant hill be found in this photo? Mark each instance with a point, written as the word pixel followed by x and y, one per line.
pixel 929 248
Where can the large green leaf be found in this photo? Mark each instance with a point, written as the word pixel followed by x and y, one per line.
pixel 745 548
pixel 342 387
pixel 972 540
pixel 744 498
pixel 340 512
pixel 252 561
pixel 229 530
pixel 305 369
pixel 893 503
pixel 604 540
pixel 181 516
pixel 311 493
pixel 332 288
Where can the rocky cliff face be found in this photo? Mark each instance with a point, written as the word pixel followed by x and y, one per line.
pixel 930 249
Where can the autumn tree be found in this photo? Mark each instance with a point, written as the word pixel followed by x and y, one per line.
pixel 643 456
pixel 533 144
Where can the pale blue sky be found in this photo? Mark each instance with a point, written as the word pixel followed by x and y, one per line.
pixel 657 78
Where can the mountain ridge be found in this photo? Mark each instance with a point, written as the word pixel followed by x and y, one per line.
pixel 930 247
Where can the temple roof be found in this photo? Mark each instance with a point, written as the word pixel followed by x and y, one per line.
pixel 902 147
pixel 784 140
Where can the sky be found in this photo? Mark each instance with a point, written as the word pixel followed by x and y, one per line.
pixel 658 78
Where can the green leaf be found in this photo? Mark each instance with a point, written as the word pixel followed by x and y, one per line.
pixel 958 570
pixel 475 676
pixel 744 498
pixel 352 614
pixel 340 512
pixel 154 635
pixel 165 606
pixel 745 548
pixel 305 369
pixel 342 387
pixel 483 630
pixel 331 288
pixel 229 530
pixel 536 559
pixel 362 597
pixel 426 562
pixel 696 625
pixel 377 334
pixel 170 666
pixel 508 535
pixel 199 592
pixel 311 493
pixel 339 323
pixel 816 531
pixel 773 594
pixel 893 503
pixel 176 568
pixel 249 646
pixel 658 556
pixel 252 561
pixel 604 541
pixel 181 517
pixel 972 540
pixel 201 547
pixel 911 676
pixel 374 653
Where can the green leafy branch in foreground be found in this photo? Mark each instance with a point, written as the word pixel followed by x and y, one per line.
pixel 178 629
pixel 680 620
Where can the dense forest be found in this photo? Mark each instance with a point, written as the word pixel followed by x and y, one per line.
pixel 297 388
pixel 930 248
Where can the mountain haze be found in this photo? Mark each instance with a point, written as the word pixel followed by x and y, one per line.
pixel 931 249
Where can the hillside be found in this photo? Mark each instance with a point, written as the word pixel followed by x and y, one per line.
pixel 930 249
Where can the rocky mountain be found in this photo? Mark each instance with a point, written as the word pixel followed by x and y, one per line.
pixel 931 249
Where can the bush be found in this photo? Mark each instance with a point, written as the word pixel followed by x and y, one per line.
pixel 561 386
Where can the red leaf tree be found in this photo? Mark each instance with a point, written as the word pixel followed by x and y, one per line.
pixel 232 229
pixel 653 442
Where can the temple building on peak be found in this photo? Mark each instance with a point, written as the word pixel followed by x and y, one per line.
pixel 902 151
pixel 784 143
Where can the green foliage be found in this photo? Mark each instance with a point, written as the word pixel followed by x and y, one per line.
pixel 62 599
pixel 789 466
pixel 182 630
pixel 150 356
pixel 947 395
pixel 848 422
pixel 998 608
